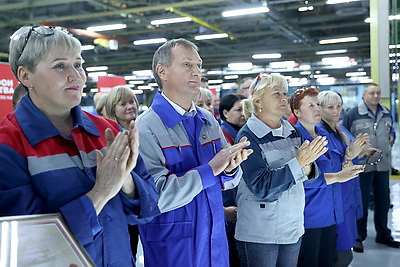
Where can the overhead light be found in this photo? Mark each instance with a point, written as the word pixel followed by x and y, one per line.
pixel 98 68
pixel 332 60
pixel 136 82
pixel 137 92
pixel 339 40
pixel 298 82
pixel 394 46
pixel 241 66
pixel 317 76
pixel 94 90
pixel 307 72
pixel 215 81
pixel 333 2
pixel 288 77
pixel 150 41
pixel 231 77
pixel 394 17
pixel 391 17
pixel 394 55
pixel 96 74
pixel 144 87
pixel 265 56
pixel 170 20
pixel 215 72
pixel 282 64
pixel 87 47
pixel 326 80
pixel 246 11
pixel 153 84
pixel 129 77
pixel 211 36
pixel 143 73
pixel 356 74
pixel 305 67
pixel 328 52
pixel 305 8
pixel 106 27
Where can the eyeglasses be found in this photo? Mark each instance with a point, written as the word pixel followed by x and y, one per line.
pixel 40 30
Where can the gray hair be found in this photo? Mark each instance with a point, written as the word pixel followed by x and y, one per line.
pixel 38 46
pixel 204 92
pixel 257 89
pixel 163 55
pixel 328 97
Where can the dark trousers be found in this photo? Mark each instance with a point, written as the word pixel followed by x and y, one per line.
pixel 378 182
pixel 318 247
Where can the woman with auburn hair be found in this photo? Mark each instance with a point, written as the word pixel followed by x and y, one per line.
pixel 323 207
pixel 270 196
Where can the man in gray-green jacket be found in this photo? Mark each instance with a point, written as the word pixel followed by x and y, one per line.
pixel 373 118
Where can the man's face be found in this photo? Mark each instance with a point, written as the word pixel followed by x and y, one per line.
pixel 244 88
pixel 182 77
pixel 372 95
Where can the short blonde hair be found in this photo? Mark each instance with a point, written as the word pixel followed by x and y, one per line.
pixel 257 89
pixel 116 94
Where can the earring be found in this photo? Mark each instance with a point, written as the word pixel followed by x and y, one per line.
pixel 30 89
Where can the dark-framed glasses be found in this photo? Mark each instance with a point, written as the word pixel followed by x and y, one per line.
pixel 40 30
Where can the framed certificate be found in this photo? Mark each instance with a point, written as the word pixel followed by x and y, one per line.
pixel 39 240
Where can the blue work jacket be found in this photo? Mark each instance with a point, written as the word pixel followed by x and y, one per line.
pixel 191 229
pixel 351 196
pixel 323 202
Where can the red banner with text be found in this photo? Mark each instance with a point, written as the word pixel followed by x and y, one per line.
pixel 7 84
pixel 106 83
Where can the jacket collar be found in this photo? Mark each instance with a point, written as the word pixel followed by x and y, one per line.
pixel 260 129
pixel 37 127
pixel 169 115
pixel 364 110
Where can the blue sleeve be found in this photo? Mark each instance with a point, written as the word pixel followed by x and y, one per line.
pixel 145 207
pixel 263 181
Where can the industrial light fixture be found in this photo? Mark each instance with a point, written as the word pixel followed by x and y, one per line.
pixel 246 11
pixel 170 20
pixel 211 36
pixel 231 77
pixel 266 56
pixel 144 87
pixel 109 27
pixel 394 46
pixel 333 2
pixel 305 8
pixel 215 81
pixel 136 82
pixel 87 47
pixel 356 74
pixel 241 66
pixel 98 68
pixel 391 17
pixel 334 60
pixel 150 41
pixel 339 40
pixel 328 52
pixel 305 67
pixel 97 74
pixel 282 64
pixel 129 77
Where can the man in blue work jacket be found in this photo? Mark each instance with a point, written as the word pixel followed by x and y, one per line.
pixel 185 151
